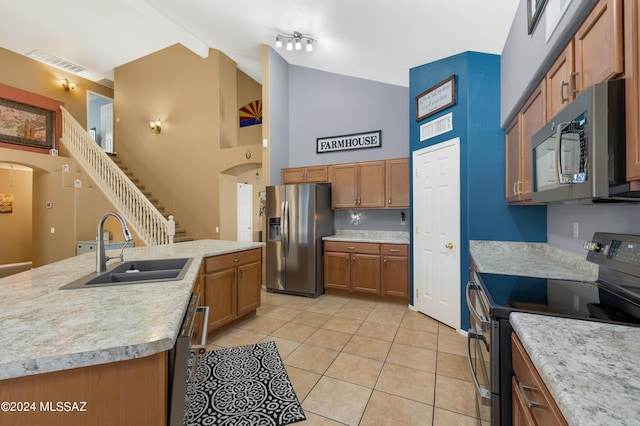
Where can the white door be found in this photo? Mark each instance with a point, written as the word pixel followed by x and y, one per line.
pixel 106 125
pixel 436 220
pixel 245 212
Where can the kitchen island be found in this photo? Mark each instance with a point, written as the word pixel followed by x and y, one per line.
pixel 591 369
pixel 46 332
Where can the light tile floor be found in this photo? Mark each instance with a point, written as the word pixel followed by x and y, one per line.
pixel 360 362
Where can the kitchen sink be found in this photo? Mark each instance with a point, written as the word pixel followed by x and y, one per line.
pixel 135 272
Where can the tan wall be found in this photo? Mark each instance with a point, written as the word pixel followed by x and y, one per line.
pixel 71 217
pixel 16 226
pixel 197 100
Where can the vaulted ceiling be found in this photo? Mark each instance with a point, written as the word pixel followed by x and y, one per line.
pixel 375 40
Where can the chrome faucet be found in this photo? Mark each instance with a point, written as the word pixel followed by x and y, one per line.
pixel 101 258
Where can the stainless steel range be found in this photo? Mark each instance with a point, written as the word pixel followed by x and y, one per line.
pixel 614 297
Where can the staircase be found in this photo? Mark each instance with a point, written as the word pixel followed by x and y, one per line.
pixel 151 226
pixel 180 234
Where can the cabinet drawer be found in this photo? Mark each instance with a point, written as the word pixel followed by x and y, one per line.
pixel 352 247
pixel 544 410
pixel 395 249
pixel 225 261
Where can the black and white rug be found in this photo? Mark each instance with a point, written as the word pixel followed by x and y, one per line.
pixel 244 385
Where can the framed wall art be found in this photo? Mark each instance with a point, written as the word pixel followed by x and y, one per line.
pixel 26 125
pixel 534 10
pixel 435 99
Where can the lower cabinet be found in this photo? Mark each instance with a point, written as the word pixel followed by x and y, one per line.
pixel 532 403
pixel 367 268
pixel 395 270
pixel 129 392
pixel 232 285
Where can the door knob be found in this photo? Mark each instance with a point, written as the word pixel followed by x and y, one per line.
pixel 449 246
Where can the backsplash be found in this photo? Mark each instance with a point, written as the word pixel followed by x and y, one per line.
pixel 380 220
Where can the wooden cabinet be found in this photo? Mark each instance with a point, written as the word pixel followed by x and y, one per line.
pixel 598 43
pixel 373 268
pixel 129 392
pixel 395 270
pixel 531 401
pixel 358 185
pixel 519 166
pixel 232 285
pixel 559 94
pixel 352 266
pixel 397 183
pixel 312 174
pixel 595 54
pixel 632 89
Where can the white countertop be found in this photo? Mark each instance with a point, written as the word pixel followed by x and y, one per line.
pixel 592 369
pixel 531 259
pixel 369 236
pixel 44 329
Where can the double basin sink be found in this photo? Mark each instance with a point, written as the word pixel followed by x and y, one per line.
pixel 135 272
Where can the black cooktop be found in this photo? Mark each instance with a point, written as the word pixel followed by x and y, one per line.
pixel 575 299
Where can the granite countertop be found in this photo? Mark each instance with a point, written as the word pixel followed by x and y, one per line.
pixel 366 236
pixel 43 329
pixel 531 259
pixel 592 369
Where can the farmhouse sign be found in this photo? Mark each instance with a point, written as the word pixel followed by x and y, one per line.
pixel 347 142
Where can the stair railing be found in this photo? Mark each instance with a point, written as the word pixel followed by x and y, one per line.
pixel 152 227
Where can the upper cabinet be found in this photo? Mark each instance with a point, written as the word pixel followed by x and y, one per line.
pixel 519 173
pixel 358 185
pixel 595 54
pixel 397 176
pixel 632 89
pixel 312 174
pixel 382 184
pixel 599 54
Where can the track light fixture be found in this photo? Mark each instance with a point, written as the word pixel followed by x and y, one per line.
pixel 295 41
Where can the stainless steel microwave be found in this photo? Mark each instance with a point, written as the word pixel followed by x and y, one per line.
pixel 580 154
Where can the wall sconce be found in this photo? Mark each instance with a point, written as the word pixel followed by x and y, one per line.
pixel 67 85
pixel 155 126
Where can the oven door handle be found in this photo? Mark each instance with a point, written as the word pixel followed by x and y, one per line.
pixel 485 324
pixel 472 334
pixel 204 310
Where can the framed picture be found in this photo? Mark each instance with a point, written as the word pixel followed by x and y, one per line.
pixel 437 98
pixel 26 125
pixel 534 10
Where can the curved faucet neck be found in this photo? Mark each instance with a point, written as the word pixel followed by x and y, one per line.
pixel 101 258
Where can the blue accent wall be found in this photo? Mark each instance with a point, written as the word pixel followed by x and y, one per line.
pixel 484 214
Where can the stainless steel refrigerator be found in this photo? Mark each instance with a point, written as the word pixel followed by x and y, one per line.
pixel 298 216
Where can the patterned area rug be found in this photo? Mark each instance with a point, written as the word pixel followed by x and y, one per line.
pixel 244 385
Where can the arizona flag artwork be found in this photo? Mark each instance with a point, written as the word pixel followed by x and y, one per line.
pixel 251 114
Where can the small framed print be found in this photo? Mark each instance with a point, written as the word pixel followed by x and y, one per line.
pixel 437 98
pixel 534 10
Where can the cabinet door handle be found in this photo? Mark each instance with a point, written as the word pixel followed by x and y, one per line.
pixel 389 201
pixel 515 187
pixel 384 262
pixel 573 78
pixel 395 250
pixel 240 273
pixel 564 84
pixel 351 248
pixel 523 392
pixel 235 259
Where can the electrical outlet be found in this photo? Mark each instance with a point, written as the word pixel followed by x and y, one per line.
pixel 576 234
